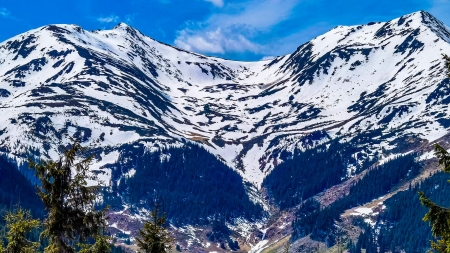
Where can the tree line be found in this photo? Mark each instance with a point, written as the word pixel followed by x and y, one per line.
pixel 195 185
pixel 319 222
pixel 72 223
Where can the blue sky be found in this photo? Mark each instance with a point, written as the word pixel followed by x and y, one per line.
pixel 232 29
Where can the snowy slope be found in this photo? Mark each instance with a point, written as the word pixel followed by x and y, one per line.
pixel 118 86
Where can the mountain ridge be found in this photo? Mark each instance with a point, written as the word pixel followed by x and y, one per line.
pixel 378 86
pixel 253 84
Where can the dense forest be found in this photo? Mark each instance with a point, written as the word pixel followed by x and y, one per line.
pixel 326 165
pixel 191 183
pixel 16 190
pixel 319 222
pixel 194 186
pixel 400 226
pixel 18 193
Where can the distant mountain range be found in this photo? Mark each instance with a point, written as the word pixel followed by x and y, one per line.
pixel 379 90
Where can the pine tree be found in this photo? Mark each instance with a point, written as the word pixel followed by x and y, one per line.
pixel 19 224
pixel 101 245
pixel 438 216
pixel 155 238
pixel 68 199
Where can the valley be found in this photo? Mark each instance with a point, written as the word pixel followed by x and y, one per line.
pixel 243 154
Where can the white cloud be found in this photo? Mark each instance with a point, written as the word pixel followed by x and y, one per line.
pixel 236 27
pixel 4 12
pixel 267 58
pixel 216 42
pixel 260 14
pixel 109 19
pixel 218 3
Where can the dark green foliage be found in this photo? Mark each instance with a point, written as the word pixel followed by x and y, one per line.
pixel 292 181
pixel 306 218
pixel 117 250
pixel 16 189
pixel 101 245
pixel 311 219
pixel 439 215
pixel 194 183
pixel 233 245
pixel 219 231
pixel 154 236
pixel 70 202
pixel 366 240
pixel 380 180
pixel 19 224
pixel 401 225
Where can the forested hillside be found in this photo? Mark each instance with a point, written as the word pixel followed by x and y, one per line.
pixel 400 226
pixel 192 185
pixel 325 165
pixel 16 190
pixel 319 222
pixel 357 101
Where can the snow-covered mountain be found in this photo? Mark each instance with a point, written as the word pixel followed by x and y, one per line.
pixel 119 86
pixel 113 87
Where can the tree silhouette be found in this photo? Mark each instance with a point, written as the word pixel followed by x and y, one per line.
pixel 69 200
pixel 155 238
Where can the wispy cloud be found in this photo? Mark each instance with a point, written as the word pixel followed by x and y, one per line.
pixel 5 12
pixel 236 28
pixel 109 19
pixel 218 3
pixel 267 58
pixel 215 41
pixel 129 19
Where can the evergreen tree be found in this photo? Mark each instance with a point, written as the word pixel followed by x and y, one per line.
pixel 19 224
pixel 68 199
pixel 101 245
pixel 155 238
pixel 438 216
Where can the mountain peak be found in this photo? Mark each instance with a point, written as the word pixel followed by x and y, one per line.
pixel 121 25
pixel 415 19
pixel 62 28
pixel 127 29
pixel 343 55
pixel 435 25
